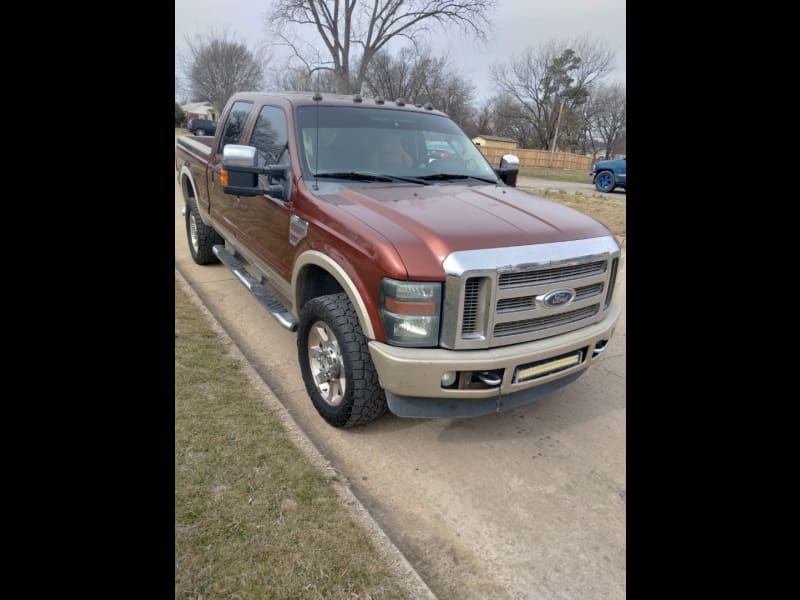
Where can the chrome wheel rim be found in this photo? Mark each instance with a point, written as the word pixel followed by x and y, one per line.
pixel 326 363
pixel 193 232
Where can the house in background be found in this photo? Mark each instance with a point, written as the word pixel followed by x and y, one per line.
pixel 493 141
pixel 200 110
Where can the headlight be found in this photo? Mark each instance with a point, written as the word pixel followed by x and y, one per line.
pixel 410 311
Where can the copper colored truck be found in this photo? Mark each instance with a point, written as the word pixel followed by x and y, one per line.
pixel 417 277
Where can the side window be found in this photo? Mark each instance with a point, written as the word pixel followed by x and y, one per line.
pixel 271 136
pixel 234 126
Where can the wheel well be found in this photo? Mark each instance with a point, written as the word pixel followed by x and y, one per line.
pixel 314 282
pixel 186 187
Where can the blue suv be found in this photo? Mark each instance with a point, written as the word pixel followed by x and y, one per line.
pixel 609 174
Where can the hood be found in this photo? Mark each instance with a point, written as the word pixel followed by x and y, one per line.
pixel 426 224
pixel 611 162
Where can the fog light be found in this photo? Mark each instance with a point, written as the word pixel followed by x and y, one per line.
pixel 449 378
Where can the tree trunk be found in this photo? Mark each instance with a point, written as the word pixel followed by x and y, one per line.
pixel 366 58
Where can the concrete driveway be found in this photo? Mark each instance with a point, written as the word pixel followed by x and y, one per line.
pixel 567 186
pixel 528 504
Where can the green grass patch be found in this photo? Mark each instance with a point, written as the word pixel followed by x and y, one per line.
pixel 556 174
pixel 253 517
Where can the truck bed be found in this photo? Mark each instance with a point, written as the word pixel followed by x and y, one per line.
pixel 199 146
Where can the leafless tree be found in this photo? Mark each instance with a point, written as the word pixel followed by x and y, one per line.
pixel 217 66
pixel 482 120
pixel 354 31
pixel 541 79
pixel 511 120
pixel 417 76
pixel 609 122
pixel 297 78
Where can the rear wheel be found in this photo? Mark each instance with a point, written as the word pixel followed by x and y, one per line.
pixel 604 182
pixel 336 365
pixel 200 236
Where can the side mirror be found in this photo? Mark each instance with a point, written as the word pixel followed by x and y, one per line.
pixel 240 173
pixel 509 169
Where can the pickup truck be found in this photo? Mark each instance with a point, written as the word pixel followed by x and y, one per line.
pixel 608 175
pixel 426 286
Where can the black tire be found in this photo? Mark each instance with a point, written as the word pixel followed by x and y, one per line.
pixel 206 238
pixel 604 181
pixel 362 399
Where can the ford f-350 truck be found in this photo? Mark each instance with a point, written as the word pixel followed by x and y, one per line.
pixel 417 277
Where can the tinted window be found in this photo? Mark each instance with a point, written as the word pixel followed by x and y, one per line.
pixel 234 126
pixel 270 136
pixel 387 141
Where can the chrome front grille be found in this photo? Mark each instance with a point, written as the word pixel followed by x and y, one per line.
pixel 537 277
pixel 529 302
pixel 471 290
pixel 538 324
pixel 500 297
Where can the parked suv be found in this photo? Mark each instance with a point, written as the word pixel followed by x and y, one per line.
pixel 609 174
pixel 202 127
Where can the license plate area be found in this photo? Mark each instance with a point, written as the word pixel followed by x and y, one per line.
pixel 548 366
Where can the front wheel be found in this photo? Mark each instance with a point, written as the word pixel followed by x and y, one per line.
pixel 336 365
pixel 604 182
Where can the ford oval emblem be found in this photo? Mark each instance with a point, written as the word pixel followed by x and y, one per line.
pixel 559 297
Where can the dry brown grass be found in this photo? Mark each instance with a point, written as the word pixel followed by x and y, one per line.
pixel 253 517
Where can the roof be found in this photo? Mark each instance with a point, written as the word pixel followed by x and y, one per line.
pixel 496 138
pixel 307 98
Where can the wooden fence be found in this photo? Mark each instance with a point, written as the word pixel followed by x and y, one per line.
pixel 540 158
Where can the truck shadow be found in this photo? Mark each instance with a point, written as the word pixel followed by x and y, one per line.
pixel 587 399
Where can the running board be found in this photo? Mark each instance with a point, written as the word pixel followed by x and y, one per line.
pixel 268 301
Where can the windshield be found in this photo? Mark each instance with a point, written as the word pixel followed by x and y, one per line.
pixel 353 141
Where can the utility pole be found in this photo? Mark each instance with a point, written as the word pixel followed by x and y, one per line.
pixel 555 137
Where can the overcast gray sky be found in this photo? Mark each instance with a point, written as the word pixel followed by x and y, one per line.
pixel 517 24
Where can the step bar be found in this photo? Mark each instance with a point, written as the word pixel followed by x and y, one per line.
pixel 267 300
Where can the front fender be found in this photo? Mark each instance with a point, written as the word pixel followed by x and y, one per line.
pixel 345 275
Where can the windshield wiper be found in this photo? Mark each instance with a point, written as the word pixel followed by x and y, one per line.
pixel 443 176
pixel 366 176
pixel 354 175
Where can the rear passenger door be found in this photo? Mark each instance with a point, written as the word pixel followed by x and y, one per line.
pixel 224 207
pixel 263 220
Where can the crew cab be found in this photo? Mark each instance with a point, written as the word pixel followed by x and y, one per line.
pixel 423 284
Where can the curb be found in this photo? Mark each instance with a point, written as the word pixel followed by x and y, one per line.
pixel 386 549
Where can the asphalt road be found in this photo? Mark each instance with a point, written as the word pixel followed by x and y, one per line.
pixel 567 186
pixel 527 504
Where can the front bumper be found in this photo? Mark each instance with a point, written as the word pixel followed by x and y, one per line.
pixel 411 377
